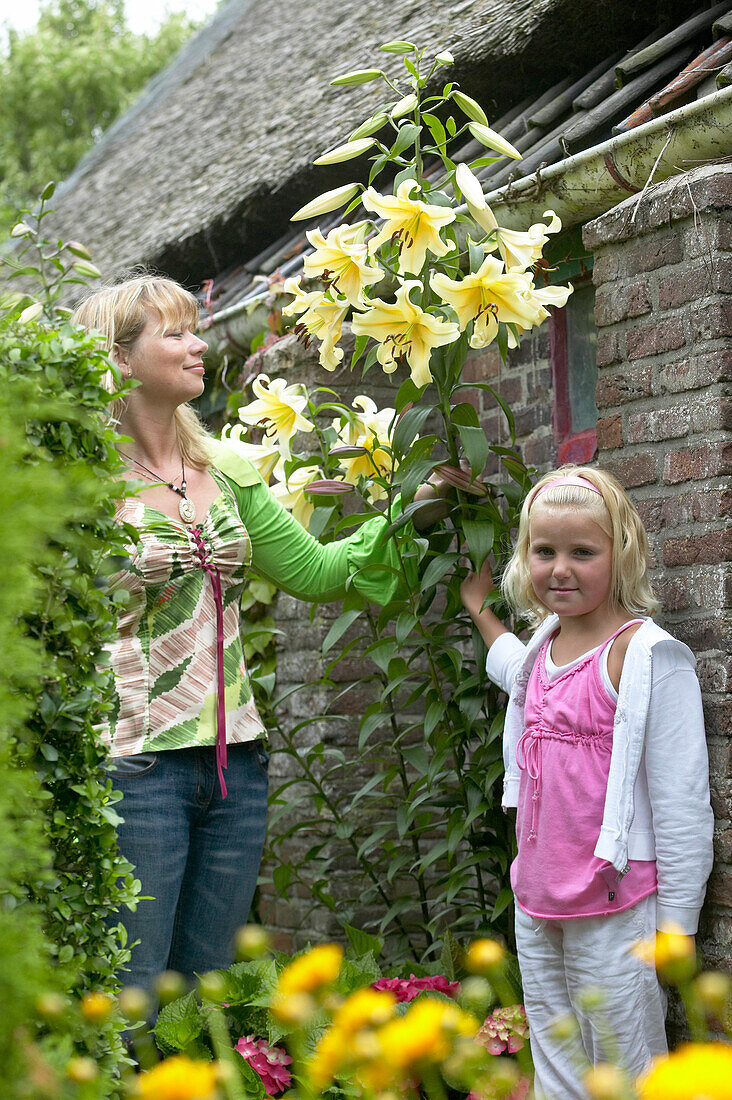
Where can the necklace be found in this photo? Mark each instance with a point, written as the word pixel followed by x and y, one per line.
pixel 186 507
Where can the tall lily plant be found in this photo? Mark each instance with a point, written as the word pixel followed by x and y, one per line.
pixel 425 274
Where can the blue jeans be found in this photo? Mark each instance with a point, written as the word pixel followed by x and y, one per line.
pixel 196 855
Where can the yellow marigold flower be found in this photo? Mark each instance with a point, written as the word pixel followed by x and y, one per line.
pixel 425 1033
pixel 483 956
pixel 341 259
pixel 310 972
pixel 96 1006
pixel 694 1070
pixel 415 224
pixel 278 407
pixel 321 317
pixel 488 296
pixel 403 329
pixel 178 1078
pixel 606 1082
pixel 671 952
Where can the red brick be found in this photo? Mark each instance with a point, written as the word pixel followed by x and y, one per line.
pixel 609 432
pixel 658 424
pixel 607 350
pixel 619 389
pixel 684 285
pixel 712 321
pixel 632 470
pixel 719 888
pixel 696 506
pixel 654 251
pixel 708 238
pixel 701 370
pixel 512 390
pixel 481 366
pixel 707 549
pixel 655 338
pixel 709 633
pixel 540 452
pixel 606 267
pixel 672 593
pixel 697 463
pixel 618 303
pixel 531 417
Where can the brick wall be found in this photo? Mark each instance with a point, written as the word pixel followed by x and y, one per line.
pixel 663 276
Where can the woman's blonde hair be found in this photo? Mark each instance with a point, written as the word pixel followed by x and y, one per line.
pixel 120 312
pixel 615 513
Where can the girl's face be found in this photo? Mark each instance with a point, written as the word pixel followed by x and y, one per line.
pixel 570 561
pixel 167 363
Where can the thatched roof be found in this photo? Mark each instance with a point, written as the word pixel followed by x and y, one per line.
pixel 206 167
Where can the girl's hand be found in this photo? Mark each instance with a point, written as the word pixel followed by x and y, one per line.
pixel 475 588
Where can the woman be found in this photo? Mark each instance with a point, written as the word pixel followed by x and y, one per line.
pixel 184 733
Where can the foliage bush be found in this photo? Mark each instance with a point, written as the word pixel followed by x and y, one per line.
pixel 58 534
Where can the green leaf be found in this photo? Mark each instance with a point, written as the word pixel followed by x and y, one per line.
pixel 179 1023
pixel 339 628
pixel 475 446
pixel 406 137
pixel 408 427
pixel 359 348
pixel 437 568
pixel 479 537
pixel 361 942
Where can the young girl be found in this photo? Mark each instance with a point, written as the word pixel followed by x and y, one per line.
pixel 606 762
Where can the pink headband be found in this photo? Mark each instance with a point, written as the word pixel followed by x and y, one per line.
pixel 580 482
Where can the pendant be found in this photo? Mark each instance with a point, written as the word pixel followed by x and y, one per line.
pixel 187 510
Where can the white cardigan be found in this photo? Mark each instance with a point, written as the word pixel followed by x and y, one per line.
pixel 657 802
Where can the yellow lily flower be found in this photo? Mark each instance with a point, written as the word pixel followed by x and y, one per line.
pixel 519 250
pixel 370 430
pixel 290 492
pixel 403 329
pixel 414 223
pixel 278 407
pixel 263 456
pixel 488 296
pixel 341 260
pixel 321 317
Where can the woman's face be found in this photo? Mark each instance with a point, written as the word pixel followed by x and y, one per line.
pixel 166 362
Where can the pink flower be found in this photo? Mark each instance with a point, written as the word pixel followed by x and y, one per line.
pixel 504 1029
pixel 520 1091
pixel 406 989
pixel 269 1062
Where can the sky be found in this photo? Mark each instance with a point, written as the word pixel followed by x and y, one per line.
pixel 143 16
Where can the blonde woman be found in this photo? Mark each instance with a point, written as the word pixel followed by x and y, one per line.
pixel 185 736
pixel 606 763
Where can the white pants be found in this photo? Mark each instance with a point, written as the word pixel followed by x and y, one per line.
pixel 559 959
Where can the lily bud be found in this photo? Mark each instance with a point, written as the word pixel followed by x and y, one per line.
pixel 348 151
pixel 48 190
pixel 470 108
pixel 89 271
pixel 398 47
pixel 78 249
pixel 21 229
pixel 329 200
pixel 31 313
pixel 445 58
pixel 347 451
pixel 370 126
pixel 357 76
pixel 489 137
pixel 404 106
pixel 328 488
pixel 461 479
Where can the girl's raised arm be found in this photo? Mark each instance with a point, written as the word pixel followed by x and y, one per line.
pixel 473 592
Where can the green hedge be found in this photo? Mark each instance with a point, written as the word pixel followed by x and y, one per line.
pixel 61 878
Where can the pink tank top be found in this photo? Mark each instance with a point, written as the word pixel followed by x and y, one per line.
pixel 564 757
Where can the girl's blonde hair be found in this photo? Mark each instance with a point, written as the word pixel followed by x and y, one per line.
pixel 615 513
pixel 120 312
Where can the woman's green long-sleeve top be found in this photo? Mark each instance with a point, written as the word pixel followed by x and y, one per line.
pixel 172 637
